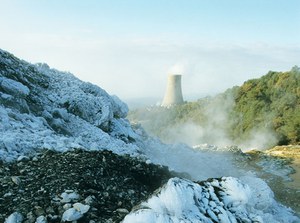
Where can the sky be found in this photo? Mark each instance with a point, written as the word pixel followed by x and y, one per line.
pixel 128 47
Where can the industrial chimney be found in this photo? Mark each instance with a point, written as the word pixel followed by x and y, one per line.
pixel 173 94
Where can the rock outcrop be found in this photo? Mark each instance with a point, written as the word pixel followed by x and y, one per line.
pixel 45 108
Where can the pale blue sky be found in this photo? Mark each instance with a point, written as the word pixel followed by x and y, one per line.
pixel 216 44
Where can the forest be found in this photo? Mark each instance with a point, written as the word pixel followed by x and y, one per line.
pixel 269 105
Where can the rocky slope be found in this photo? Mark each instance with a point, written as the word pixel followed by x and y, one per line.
pixel 49 183
pixel 45 108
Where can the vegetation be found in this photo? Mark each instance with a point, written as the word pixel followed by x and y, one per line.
pixel 272 102
pixel 268 104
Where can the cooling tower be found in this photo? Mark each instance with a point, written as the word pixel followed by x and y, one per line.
pixel 173 94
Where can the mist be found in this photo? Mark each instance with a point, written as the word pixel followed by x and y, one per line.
pixel 213 128
pixel 199 164
pixel 194 134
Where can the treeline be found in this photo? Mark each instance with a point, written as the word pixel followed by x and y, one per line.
pixel 268 104
pixel 272 101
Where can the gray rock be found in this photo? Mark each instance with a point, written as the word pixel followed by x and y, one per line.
pixel 30 217
pixel 41 219
pixel 90 200
pixel 39 211
pixel 81 207
pixel 122 211
pixel 71 215
pixel 23 158
pixel 16 180
pixel 15 217
pixel 69 196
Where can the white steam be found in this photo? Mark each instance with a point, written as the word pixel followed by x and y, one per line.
pixel 214 130
pixel 259 139
pixel 194 134
pixel 199 164
pixel 183 67
pixel 178 68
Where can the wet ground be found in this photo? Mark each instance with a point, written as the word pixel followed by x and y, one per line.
pixel 295 183
pixel 286 190
pixel 293 187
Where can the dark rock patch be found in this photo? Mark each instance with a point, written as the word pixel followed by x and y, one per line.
pixel 110 184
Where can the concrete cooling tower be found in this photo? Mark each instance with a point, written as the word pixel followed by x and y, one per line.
pixel 173 94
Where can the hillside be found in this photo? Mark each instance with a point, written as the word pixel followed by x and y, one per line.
pixel 272 101
pixel 42 107
pixel 264 110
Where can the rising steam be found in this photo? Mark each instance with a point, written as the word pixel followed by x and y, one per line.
pixel 213 131
pixel 178 68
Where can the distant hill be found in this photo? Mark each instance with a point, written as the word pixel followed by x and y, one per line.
pixel 272 101
pixel 263 111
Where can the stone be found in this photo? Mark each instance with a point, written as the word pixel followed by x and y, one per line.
pixel 30 217
pixel 23 158
pixel 16 180
pixel 39 211
pixel 9 194
pixel 90 199
pixel 69 197
pixel 35 159
pixel 41 219
pixel 67 206
pixel 122 211
pixel 50 210
pixel 81 207
pixel 53 218
pixel 15 217
pixel 71 215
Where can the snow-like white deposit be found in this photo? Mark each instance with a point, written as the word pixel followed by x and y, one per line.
pixel 227 200
pixel 45 108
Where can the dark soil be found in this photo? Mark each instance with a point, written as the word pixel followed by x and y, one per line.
pixel 113 184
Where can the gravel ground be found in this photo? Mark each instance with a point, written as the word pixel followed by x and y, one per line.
pixel 50 183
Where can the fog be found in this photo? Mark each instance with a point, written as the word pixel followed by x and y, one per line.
pixel 213 130
pixel 193 134
pixel 200 165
